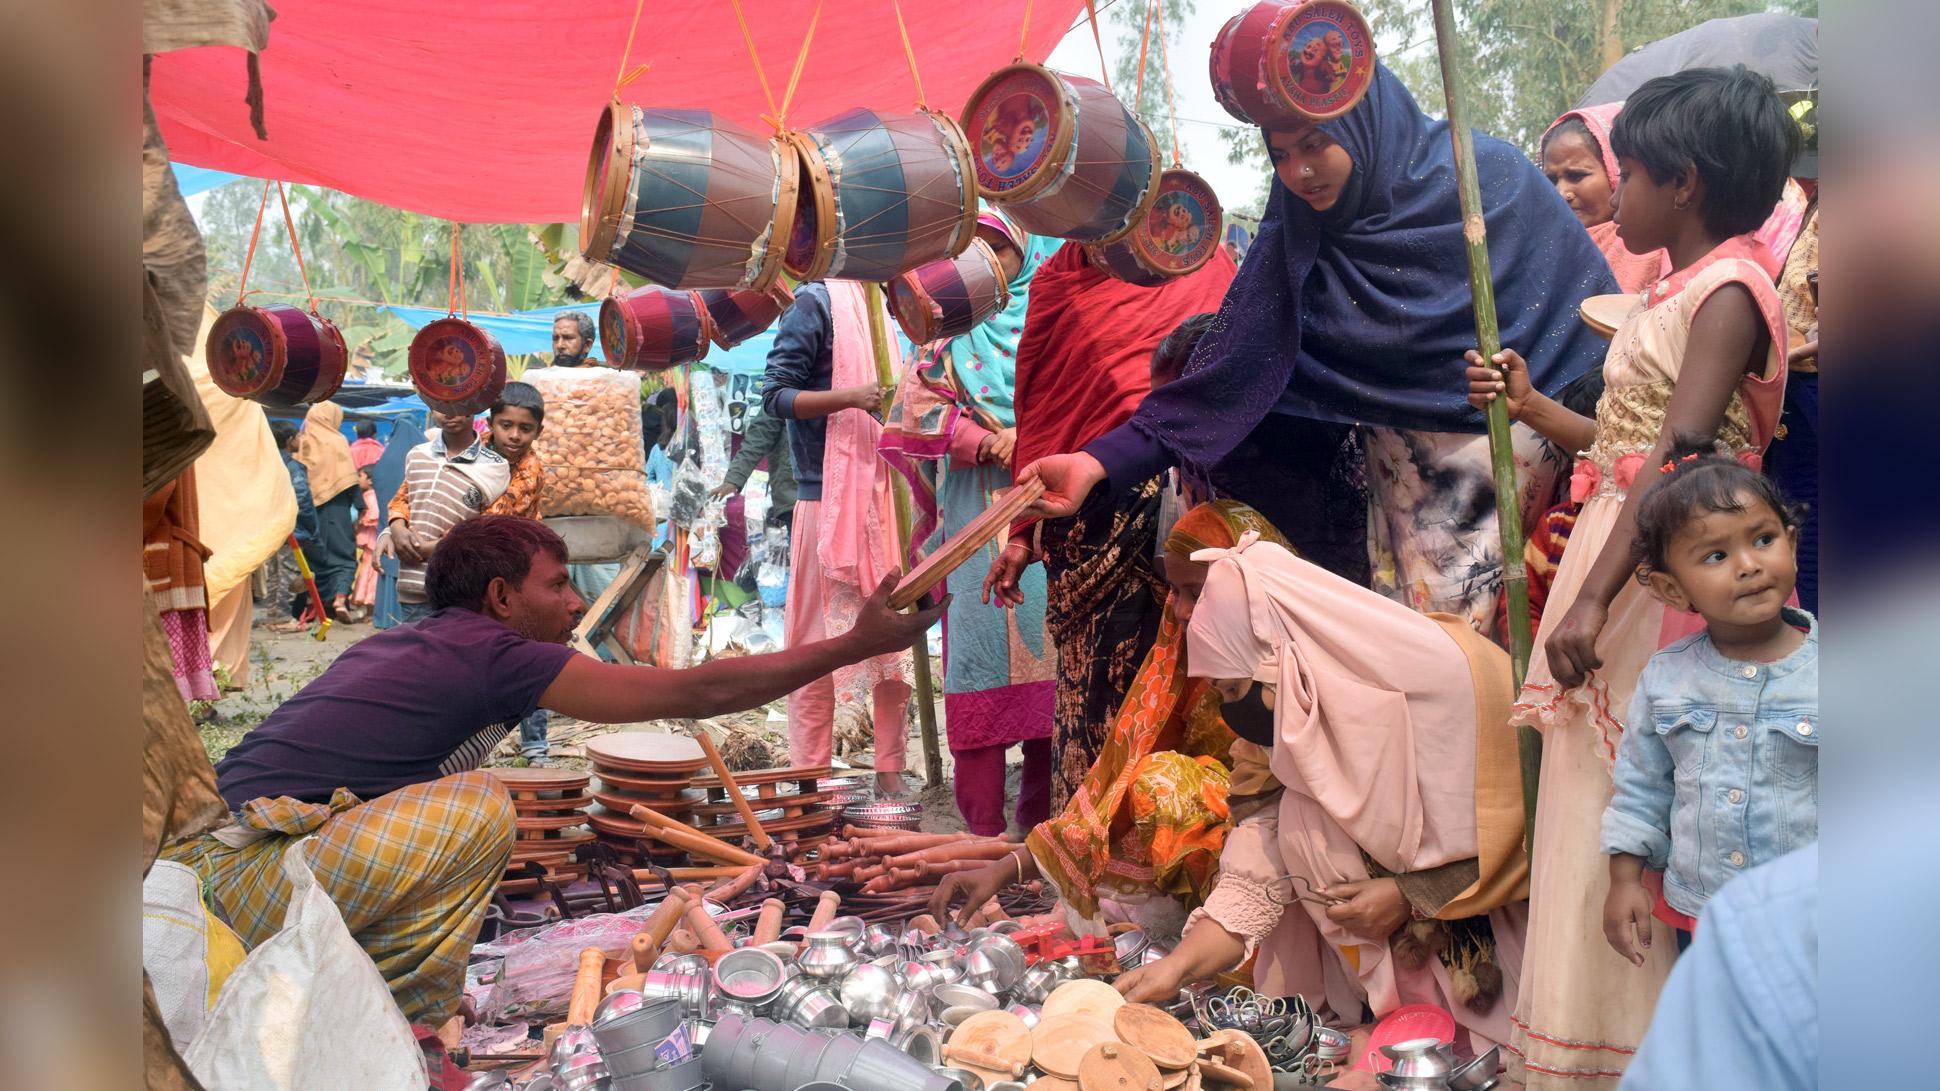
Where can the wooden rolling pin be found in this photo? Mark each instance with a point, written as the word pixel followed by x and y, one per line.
pixel 767 927
pixel 735 797
pixel 825 911
pixel 692 840
pixel 978 1058
pixel 585 998
pixel 683 942
pixel 702 925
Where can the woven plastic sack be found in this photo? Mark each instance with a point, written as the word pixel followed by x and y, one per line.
pixel 307 1009
pixel 595 459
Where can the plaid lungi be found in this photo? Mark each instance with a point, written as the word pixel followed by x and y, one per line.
pixel 412 871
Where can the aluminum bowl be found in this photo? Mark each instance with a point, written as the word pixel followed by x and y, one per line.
pixel 1128 945
pixel 750 977
pixel 952 995
pixel 970 1080
pixel 1008 956
pixel 618 1003
pixel 920 1042
pixel 1410 1083
pixel 820 1008
pixel 878 940
pixel 1420 1057
pixel 909 1007
pixel 828 955
pixel 867 992
pixel 1039 980
pixel 583 1072
pixel 1027 1012
pixel 571 1042
pixel 1477 1074
pixel 982 971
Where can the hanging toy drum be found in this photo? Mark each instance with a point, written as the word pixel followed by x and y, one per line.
pixel 457 368
pixel 278 355
pixel 738 316
pixel 1177 237
pixel 883 194
pixel 1061 154
pixel 654 328
pixel 949 297
pixel 1279 64
pixel 687 200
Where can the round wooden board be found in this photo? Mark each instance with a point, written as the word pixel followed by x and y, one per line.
pixel 519 779
pixel 647 752
pixel 1086 996
pixel 621 782
pixel 577 801
pixel 1245 1055
pixel 1053 1083
pixel 1156 1034
pixel 997 1033
pixel 1060 1042
pixel 1115 1066
pixel 619 805
pixel 1175 1078
pixel 1604 313
pixel 764 776
pixel 540 823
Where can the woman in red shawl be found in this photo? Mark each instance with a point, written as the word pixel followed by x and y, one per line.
pixel 1083 366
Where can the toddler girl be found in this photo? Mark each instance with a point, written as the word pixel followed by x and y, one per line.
pixel 1718 770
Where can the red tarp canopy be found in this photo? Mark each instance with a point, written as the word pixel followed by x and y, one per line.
pixel 484 111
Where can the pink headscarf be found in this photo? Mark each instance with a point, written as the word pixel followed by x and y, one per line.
pixel 1634 272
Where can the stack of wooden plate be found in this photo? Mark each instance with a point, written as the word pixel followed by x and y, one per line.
pixel 652 768
pixel 551 808
pixel 787 803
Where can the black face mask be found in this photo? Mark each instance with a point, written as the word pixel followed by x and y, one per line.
pixel 1249 717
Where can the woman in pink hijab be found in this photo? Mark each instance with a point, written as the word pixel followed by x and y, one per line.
pixel 1577 160
pixel 1390 871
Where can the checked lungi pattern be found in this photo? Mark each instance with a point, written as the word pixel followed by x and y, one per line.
pixel 412 871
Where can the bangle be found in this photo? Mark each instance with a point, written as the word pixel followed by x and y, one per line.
pixel 1018 859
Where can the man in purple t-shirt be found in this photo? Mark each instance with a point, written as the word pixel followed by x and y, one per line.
pixel 377 759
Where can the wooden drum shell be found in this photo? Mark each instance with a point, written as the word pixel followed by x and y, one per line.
pixel 654 328
pixel 1175 239
pixel 1260 76
pixel 738 316
pixel 687 200
pixel 949 297
pixel 276 354
pixel 883 194
pixel 457 367
pixel 1093 178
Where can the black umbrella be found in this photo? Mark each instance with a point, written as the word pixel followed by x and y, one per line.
pixel 1783 47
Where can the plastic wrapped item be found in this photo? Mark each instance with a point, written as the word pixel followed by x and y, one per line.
pixel 771 582
pixel 705 539
pixel 596 462
pixel 535 977
pixel 690 494
pixel 710 417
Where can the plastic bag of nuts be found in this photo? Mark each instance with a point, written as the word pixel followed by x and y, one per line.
pixel 596 462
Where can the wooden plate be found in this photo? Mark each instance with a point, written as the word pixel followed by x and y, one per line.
pixel 544 823
pixel 1604 313
pixel 644 784
pixel 765 776
pixel 1115 1066
pixel 556 803
pixel 621 804
pixel 1175 1078
pixel 1086 996
pixel 1156 1034
pixel 1053 1083
pixel 539 780
pixel 996 1033
pixel 1059 1042
pixel 647 752
pixel 966 543
pixel 1245 1055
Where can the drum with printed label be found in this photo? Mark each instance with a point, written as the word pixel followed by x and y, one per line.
pixel 1177 237
pixel 687 200
pixel 1061 154
pixel 457 367
pixel 951 297
pixel 1279 64
pixel 277 354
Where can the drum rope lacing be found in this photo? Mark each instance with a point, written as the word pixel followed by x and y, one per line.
pixel 777 114
pixel 242 287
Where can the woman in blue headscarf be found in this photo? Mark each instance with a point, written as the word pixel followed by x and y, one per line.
pixel 1354 307
pixel 955 410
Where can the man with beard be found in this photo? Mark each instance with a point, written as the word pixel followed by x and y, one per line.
pixel 572 340
pixel 376 760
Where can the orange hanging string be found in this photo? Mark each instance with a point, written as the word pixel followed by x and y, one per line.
pixel 455 305
pixel 909 54
pixel 1024 34
pixel 242 288
pixel 1171 98
pixel 290 222
pixel 1091 7
pixel 747 36
pixel 801 59
pixel 625 75
pixel 1144 48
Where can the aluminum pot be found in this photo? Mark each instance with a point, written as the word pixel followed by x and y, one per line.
pixel 867 992
pixel 571 1042
pixel 750 977
pixel 828 955
pixel 1418 1057
pixel 619 1002
pixel 949 996
pixel 645 1026
pixel 1476 1074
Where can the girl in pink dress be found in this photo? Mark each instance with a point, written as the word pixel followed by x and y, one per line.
pixel 1704 155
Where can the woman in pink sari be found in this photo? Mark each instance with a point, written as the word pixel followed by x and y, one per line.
pixel 1390 871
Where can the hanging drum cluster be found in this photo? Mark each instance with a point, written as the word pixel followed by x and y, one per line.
pixel 278 355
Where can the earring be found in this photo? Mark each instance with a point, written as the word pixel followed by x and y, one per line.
pixel 1681 204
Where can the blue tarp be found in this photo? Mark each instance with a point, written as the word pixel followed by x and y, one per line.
pixel 194 180
pixel 531 331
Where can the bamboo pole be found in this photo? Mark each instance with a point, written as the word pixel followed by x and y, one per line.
pixel 1488 339
pixel 925 688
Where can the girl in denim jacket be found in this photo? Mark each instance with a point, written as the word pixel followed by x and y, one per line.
pixel 1718 769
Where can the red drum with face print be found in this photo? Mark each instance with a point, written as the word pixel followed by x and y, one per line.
pixel 457 368
pixel 654 328
pixel 1177 237
pixel 1278 64
pixel 278 355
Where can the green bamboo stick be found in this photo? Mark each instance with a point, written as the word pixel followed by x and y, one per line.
pixel 899 489
pixel 1488 338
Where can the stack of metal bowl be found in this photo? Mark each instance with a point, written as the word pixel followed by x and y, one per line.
pixel 886 814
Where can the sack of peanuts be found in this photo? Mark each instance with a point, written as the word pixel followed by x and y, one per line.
pixel 596 462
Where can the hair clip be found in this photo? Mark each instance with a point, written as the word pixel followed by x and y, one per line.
pixel 1670 466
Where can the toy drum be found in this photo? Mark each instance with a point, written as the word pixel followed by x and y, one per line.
pixel 457 367
pixel 654 328
pixel 278 355
pixel 738 316
pixel 884 193
pixel 950 297
pixel 1062 155
pixel 1175 238
pixel 1277 64
pixel 687 200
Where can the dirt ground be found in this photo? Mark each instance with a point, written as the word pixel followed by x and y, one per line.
pixel 282 663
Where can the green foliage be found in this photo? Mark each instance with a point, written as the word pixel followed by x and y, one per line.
pixel 360 250
pixel 1128 21
pixel 1523 61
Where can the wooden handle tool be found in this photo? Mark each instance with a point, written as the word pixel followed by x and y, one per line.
pixel 585 999
pixel 767 927
pixel 735 797
pixel 701 924
pixel 825 911
pixel 662 828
